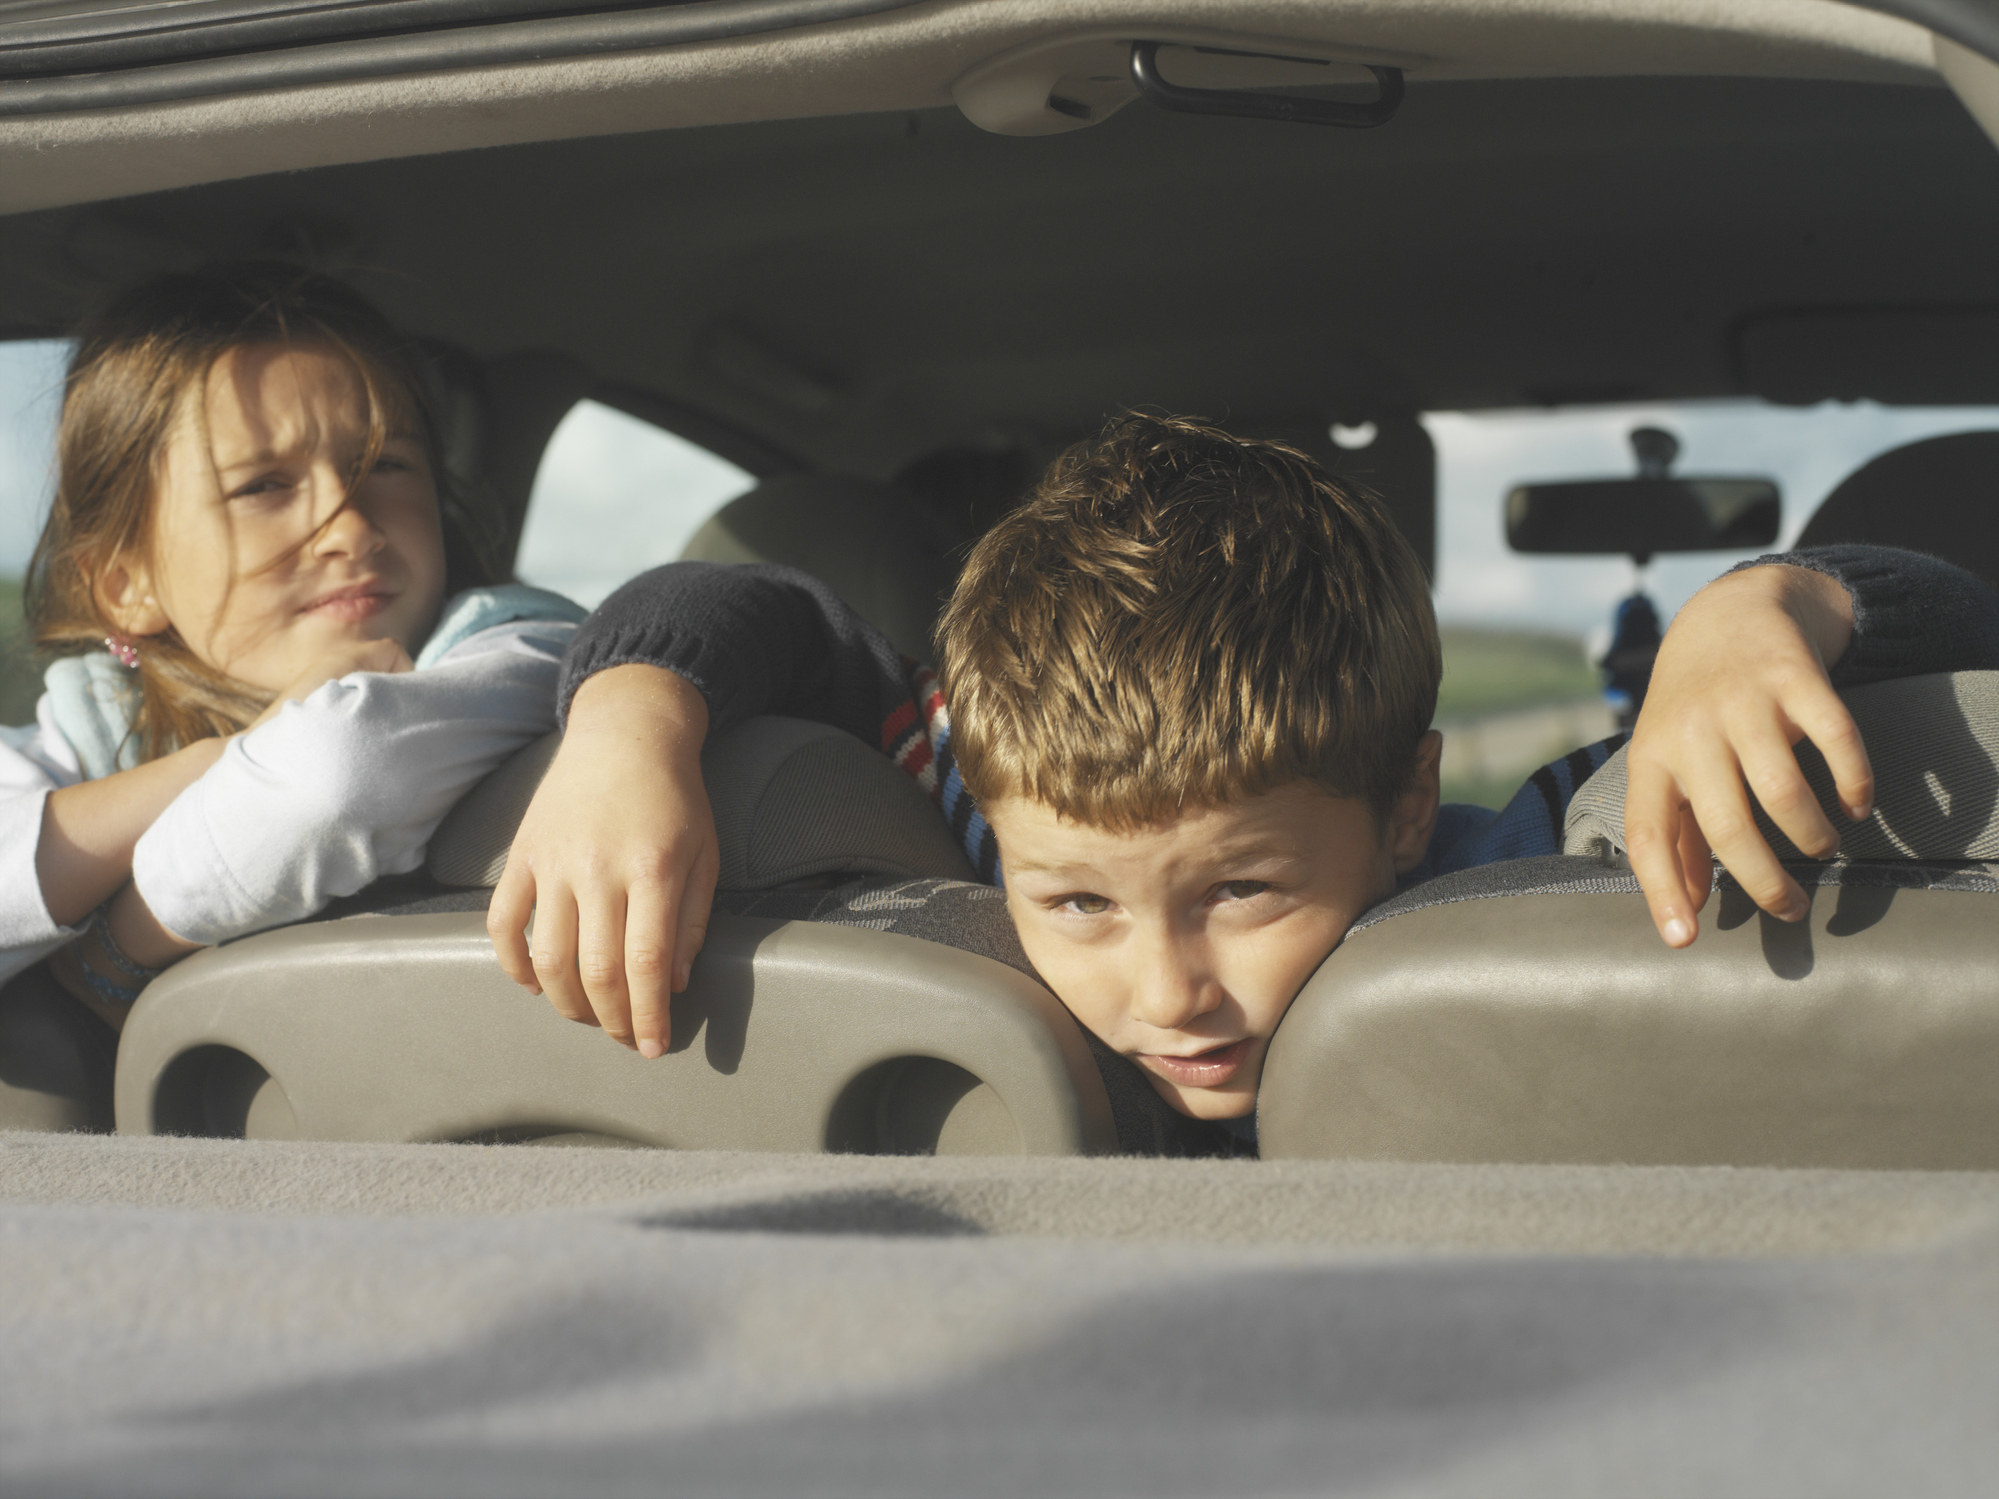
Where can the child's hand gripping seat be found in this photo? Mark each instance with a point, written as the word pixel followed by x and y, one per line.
pixel 1528 1012
pixel 396 1023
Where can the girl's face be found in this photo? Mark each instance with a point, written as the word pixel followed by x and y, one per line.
pixel 253 558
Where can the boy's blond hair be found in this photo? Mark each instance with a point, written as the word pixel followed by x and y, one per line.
pixel 1178 618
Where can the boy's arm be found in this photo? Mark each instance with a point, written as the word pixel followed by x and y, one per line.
pixel 616 859
pixel 1749 668
pixel 756 639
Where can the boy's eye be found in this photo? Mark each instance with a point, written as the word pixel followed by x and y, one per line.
pixel 1084 904
pixel 1241 889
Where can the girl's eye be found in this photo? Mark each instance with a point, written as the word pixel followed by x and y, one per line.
pixel 388 463
pixel 1241 889
pixel 1084 904
pixel 263 484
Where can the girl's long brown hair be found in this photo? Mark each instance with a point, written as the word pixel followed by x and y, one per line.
pixel 136 364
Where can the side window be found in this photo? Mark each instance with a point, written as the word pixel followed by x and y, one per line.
pixel 615 495
pixel 31 374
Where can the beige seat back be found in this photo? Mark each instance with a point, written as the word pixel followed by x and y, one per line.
pixel 1528 1012
pixel 794 1035
pixel 1940 496
pixel 792 801
pixel 893 559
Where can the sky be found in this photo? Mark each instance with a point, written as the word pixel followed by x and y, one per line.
pixel 615 496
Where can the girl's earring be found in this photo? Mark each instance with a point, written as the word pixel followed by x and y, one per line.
pixel 123 649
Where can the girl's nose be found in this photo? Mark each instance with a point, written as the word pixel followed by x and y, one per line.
pixel 348 533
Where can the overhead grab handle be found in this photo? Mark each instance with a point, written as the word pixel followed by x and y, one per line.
pixel 1258 105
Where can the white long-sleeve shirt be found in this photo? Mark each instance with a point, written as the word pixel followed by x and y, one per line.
pixel 327 797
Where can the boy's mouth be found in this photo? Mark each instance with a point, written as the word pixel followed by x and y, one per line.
pixel 1203 1069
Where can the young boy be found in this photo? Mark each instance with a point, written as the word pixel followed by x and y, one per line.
pixel 1190 682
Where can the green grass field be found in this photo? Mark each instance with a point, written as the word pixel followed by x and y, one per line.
pixel 1493 671
pixel 20 674
pixel 1505 671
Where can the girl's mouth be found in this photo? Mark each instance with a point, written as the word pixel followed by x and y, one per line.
pixel 1204 1069
pixel 364 601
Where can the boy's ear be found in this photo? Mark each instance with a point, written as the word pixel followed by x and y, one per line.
pixel 1415 815
pixel 124 591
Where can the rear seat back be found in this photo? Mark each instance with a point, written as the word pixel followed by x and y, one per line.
pixel 893 559
pixel 792 801
pixel 1939 495
pixel 396 1024
pixel 1528 1012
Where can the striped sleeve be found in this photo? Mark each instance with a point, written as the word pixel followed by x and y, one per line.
pixel 916 734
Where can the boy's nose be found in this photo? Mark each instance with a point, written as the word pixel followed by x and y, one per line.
pixel 1173 987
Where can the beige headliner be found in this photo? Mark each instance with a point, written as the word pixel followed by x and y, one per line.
pixel 905 60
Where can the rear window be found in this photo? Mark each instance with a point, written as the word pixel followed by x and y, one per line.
pixel 1521 633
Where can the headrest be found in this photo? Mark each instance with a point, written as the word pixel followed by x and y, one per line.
pixel 888 556
pixel 1527 1012
pixel 792 801
pixel 1939 496
pixel 1934 744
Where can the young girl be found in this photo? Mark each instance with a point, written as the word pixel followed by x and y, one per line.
pixel 284 662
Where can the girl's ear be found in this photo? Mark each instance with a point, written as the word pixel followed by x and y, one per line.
pixel 124 589
pixel 1415 814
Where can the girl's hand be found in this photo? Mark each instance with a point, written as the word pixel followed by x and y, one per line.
pixel 350 656
pixel 616 860
pixel 1741 678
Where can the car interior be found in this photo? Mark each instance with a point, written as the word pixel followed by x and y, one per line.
pixel 894 316
pixel 1541 1207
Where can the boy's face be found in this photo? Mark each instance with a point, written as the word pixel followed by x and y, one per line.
pixel 1182 945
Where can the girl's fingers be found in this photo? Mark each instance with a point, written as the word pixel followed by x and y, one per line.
pixel 600 960
pixel 507 920
pixel 649 963
pixel 1652 814
pixel 554 952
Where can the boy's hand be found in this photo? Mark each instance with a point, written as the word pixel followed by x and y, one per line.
pixel 616 859
pixel 1741 678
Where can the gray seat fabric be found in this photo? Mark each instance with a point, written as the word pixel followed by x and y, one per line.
pixel 1939 496
pixel 792 801
pixel 1934 745
pixel 891 558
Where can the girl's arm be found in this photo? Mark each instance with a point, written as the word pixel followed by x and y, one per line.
pixel 619 884
pixel 88 831
pixel 342 788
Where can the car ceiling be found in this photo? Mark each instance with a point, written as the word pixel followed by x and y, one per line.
pixel 858 290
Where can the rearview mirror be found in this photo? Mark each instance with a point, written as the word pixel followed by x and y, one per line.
pixel 1639 517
